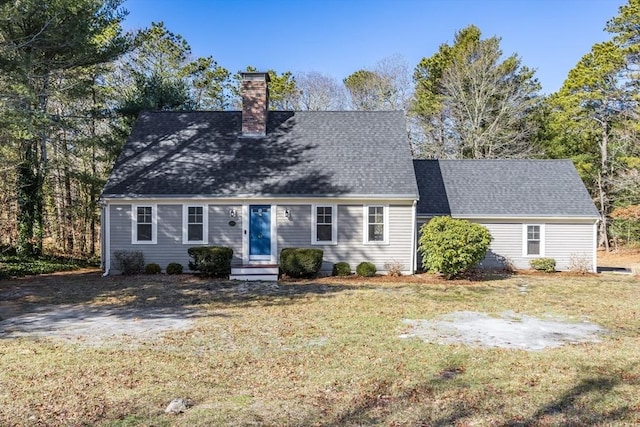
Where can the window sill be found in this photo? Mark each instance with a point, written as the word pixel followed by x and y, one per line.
pixel 377 243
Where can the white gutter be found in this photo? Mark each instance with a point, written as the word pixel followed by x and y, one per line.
pixel 595 246
pixel 512 217
pixel 237 197
pixel 414 256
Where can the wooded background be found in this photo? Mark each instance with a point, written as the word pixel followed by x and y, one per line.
pixel 72 83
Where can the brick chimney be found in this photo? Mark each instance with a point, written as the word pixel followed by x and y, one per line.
pixel 255 103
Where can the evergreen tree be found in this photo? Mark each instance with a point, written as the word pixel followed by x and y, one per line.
pixel 40 42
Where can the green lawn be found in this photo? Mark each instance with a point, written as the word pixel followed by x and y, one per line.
pixel 322 353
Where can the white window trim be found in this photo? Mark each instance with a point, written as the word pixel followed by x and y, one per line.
pixel 154 224
pixel 334 225
pixel 185 224
pixel 365 225
pixel 525 239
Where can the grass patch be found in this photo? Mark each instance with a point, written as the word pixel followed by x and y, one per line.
pixel 322 353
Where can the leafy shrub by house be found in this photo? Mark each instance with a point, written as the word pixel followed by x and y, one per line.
pixel 547 265
pixel 366 269
pixel 341 269
pixel 211 261
pixel 129 262
pixel 452 246
pixel 174 268
pixel 301 262
pixel 152 268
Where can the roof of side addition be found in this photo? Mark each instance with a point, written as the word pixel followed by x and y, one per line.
pixel 502 188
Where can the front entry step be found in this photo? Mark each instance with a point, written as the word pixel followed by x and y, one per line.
pixel 267 273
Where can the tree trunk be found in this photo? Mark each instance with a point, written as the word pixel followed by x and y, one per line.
pixel 25 189
pixel 603 183
pixel 68 199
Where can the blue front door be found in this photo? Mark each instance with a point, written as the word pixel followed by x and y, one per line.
pixel 259 231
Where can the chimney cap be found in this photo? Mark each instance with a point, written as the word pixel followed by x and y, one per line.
pixel 255 75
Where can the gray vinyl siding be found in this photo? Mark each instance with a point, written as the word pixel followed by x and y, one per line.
pixel 221 233
pixel 169 247
pixel 296 232
pixel 562 242
pixel 567 241
pixel 506 246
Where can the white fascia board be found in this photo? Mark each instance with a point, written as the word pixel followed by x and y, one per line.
pixel 514 218
pixel 259 199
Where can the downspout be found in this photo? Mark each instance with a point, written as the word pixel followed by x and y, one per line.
pixel 414 249
pixel 105 238
pixel 595 245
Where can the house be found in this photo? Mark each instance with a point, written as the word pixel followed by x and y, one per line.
pixel 533 208
pixel 259 181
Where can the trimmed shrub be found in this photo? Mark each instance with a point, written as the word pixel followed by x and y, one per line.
pixel 548 265
pixel 211 261
pixel 174 268
pixel 129 262
pixel 341 269
pixel 452 246
pixel 152 268
pixel 366 269
pixel 301 262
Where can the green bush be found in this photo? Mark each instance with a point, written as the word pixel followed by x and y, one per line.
pixel 366 269
pixel 152 268
pixel 211 261
pixel 301 262
pixel 547 265
pixel 16 266
pixel 341 269
pixel 129 262
pixel 452 246
pixel 174 268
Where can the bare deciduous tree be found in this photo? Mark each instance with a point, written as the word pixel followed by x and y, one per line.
pixel 319 92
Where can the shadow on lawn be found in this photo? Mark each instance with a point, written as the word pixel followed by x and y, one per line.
pixel 381 406
pixel 159 293
pixel 570 410
pixel 84 304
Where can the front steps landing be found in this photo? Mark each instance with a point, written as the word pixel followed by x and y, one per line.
pixel 255 272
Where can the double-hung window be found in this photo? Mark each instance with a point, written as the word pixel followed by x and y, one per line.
pixel 144 224
pixel 194 224
pixel 376 224
pixel 325 229
pixel 533 240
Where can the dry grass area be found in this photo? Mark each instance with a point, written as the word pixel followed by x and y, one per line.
pixel 323 353
pixel 623 257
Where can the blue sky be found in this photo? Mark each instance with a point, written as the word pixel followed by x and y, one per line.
pixel 338 37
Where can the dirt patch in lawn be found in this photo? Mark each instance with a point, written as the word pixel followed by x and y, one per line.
pixel 95 325
pixel 509 330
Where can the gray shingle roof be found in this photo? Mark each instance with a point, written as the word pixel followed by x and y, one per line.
pixel 304 154
pixel 502 188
